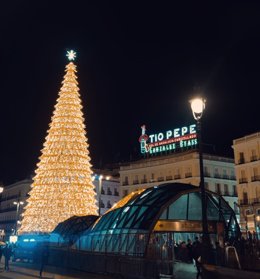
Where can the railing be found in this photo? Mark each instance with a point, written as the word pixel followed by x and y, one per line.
pixel 225 176
pixel 125 183
pixel 169 177
pixel 241 161
pixel 226 193
pixel 253 158
pixel 109 192
pixel 116 193
pixel 207 174
pixel 136 182
pixel 188 174
pixel 242 180
pixel 177 176
pixel 144 180
pixel 255 178
pixel 243 202
pixel 216 175
pixel 161 178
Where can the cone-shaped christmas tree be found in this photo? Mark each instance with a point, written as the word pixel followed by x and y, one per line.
pixel 62 185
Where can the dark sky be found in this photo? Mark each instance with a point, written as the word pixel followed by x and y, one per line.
pixel 138 63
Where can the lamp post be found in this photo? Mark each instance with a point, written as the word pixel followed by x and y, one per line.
pixel 198 107
pixel 17 203
pixel 99 193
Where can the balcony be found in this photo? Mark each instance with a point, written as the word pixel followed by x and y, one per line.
pixel 125 183
pixel 241 161
pixel 242 180
pixel 257 200
pixel 226 193
pixel 161 178
pixel 188 174
pixel 216 175
pixel 144 181
pixel 169 177
pixel 136 182
pixel 177 176
pixel 207 174
pixel 225 176
pixel 243 202
pixel 255 178
pixel 253 158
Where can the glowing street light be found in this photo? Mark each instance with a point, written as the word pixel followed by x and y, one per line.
pixel 18 204
pixel 198 107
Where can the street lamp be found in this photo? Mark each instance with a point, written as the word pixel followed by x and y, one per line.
pixel 99 193
pixel 198 107
pixel 17 203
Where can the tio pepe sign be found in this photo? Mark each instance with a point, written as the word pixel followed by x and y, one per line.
pixel 178 138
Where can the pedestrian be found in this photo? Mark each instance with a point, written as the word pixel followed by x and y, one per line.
pixel 1 253
pixel 7 253
pixel 44 255
pixel 196 254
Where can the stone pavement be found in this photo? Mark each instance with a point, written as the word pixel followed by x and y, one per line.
pixel 31 271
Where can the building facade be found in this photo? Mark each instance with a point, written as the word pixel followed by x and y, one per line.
pixel 247 168
pixel 13 200
pixel 14 196
pixel 182 167
pixel 109 187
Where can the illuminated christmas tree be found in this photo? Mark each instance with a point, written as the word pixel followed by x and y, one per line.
pixel 62 186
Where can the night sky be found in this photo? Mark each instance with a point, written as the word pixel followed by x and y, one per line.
pixel 138 63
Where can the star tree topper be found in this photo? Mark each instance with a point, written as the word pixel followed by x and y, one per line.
pixel 71 55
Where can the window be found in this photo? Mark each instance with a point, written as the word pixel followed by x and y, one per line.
pixel 245 198
pixel 225 175
pixel 109 191
pixel 206 172
pixel 125 193
pixel 235 190
pixel 241 159
pixel 102 204
pixel 216 173
pixel 226 193
pixel 258 211
pixel 109 204
pixel 116 192
pixel 126 181
pixel 254 156
pixel 102 191
pixel 218 188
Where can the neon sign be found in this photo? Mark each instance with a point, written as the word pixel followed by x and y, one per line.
pixel 178 138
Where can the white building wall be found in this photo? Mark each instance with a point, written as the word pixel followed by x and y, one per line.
pixel 183 168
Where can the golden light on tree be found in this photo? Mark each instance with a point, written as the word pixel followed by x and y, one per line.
pixel 62 186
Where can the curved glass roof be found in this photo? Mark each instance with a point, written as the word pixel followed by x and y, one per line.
pixel 173 201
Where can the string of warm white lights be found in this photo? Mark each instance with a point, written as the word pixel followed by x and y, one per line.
pixel 63 184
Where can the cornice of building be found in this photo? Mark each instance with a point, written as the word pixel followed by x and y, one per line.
pixel 173 158
pixel 246 138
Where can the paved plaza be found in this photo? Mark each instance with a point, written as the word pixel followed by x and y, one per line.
pixel 30 271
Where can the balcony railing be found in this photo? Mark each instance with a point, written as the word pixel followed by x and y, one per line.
pixel 125 183
pixel 207 174
pixel 255 178
pixel 257 200
pixel 188 174
pixel 216 175
pixel 169 177
pixel 177 176
pixel 243 202
pixel 144 180
pixel 226 193
pixel 136 182
pixel 241 161
pixel 253 158
pixel 225 176
pixel 242 180
pixel 159 179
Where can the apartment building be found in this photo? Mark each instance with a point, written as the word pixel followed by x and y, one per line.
pixel 182 167
pixel 247 168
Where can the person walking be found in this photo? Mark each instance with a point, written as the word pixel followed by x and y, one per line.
pixel 44 257
pixel 7 254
